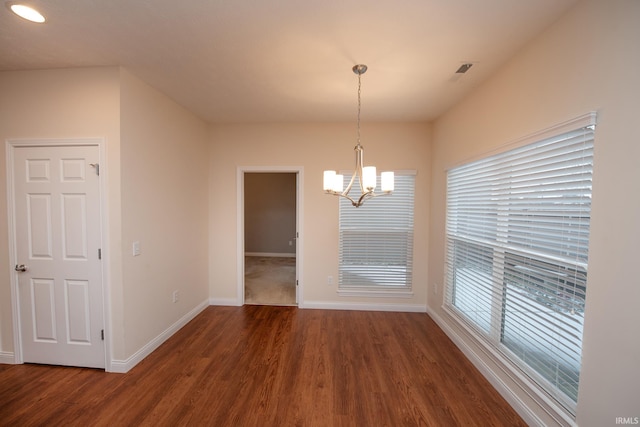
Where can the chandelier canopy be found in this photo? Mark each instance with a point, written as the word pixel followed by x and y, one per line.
pixel 333 182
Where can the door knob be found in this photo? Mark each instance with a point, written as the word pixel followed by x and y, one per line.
pixel 21 268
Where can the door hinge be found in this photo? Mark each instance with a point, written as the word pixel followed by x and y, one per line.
pixel 102 334
pixel 296 282
pixel 97 167
pixel 99 253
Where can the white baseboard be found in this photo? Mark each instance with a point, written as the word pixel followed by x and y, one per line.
pixel 7 358
pixel 271 254
pixel 409 308
pixel 527 414
pixel 124 366
pixel 325 305
pixel 233 302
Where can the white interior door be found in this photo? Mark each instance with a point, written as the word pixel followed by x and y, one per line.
pixel 57 241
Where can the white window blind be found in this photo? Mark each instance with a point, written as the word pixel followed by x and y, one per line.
pixel 517 251
pixel 376 239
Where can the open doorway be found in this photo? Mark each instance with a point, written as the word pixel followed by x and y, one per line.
pixel 270 238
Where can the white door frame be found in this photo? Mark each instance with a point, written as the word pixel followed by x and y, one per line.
pixel 11 145
pixel 299 171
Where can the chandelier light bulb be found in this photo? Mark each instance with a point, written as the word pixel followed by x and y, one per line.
pixel 338 183
pixel 387 182
pixel 369 178
pixel 328 180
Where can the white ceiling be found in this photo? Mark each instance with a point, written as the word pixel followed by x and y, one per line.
pixel 285 60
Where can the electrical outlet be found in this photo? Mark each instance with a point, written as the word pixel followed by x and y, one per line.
pixel 329 280
pixel 175 297
pixel 136 248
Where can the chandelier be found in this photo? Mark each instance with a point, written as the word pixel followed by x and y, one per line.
pixel 333 182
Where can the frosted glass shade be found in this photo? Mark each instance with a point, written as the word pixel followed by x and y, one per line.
pixel 369 178
pixel 337 183
pixel 386 182
pixel 332 181
pixel 328 180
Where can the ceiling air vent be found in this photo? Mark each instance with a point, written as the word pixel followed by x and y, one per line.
pixel 463 68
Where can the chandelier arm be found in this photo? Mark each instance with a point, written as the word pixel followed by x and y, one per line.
pixel 366 196
pixel 353 179
pixel 358 172
pixel 353 202
pixel 371 194
pixel 359 165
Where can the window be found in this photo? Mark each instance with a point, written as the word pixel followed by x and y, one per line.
pixel 376 241
pixel 517 251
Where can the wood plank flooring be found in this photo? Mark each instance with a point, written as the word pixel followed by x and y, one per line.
pixel 270 366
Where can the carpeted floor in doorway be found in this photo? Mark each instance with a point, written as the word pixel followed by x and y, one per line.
pixel 270 280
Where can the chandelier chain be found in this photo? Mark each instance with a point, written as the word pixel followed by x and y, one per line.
pixel 359 85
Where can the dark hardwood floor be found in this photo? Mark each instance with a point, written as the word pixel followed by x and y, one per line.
pixel 270 366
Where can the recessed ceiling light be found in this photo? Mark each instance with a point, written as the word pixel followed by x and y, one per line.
pixel 26 12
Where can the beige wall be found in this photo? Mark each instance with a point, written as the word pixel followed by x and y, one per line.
pixel 159 152
pixel 587 61
pixel 74 103
pixel 165 199
pixel 270 213
pixel 314 147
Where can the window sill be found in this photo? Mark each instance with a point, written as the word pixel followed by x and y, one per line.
pixel 376 293
pixel 524 382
